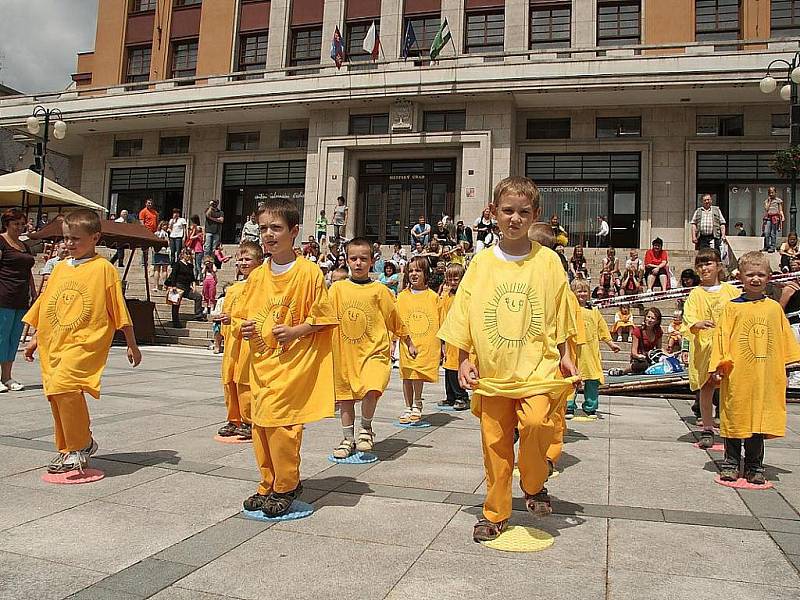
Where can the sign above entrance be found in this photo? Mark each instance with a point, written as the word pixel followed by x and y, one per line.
pixel 572 189
pixel 406 177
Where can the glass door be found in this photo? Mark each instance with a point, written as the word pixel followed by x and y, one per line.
pixel 624 217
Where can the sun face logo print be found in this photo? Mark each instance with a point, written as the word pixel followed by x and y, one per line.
pixel 70 307
pixel 354 322
pixel 418 323
pixel 513 316
pixel 279 311
pixel 755 343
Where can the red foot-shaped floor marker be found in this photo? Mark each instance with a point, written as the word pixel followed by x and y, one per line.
pixel 74 477
pixel 715 447
pixel 233 439
pixel 743 484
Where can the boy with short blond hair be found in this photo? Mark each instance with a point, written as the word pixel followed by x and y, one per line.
pixel 511 311
pixel 288 325
pixel 236 355
pixel 76 317
pixel 367 315
pixel 753 344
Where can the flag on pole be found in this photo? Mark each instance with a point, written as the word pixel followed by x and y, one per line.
pixel 337 48
pixel 372 41
pixel 409 41
pixel 442 37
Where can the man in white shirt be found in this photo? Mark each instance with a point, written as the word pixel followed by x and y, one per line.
pixel 177 233
pixel 119 256
pixel 602 232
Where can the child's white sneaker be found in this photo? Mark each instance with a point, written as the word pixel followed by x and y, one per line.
pixel 13 385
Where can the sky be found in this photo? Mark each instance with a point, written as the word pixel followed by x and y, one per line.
pixel 39 41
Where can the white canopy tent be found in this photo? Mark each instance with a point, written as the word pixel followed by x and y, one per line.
pixel 21 188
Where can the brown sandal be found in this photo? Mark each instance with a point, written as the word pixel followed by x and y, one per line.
pixel 539 504
pixel 486 531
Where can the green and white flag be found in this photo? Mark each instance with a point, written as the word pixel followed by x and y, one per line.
pixel 440 40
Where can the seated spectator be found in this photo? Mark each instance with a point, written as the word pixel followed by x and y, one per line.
pixel 656 266
pixel 645 338
pixel 390 277
pixel 740 230
pixel 577 264
pixel 377 255
pixel 675 333
pixel 788 250
pixel 623 324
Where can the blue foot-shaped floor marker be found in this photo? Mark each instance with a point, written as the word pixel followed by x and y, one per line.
pixel 298 510
pixel 415 425
pixel 359 458
pixel 445 408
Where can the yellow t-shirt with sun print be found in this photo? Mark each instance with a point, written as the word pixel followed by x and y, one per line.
pixel 513 315
pixel 367 314
pixel 76 317
pixel 703 305
pixel 420 313
pixel 292 383
pixel 753 344
pixel 588 359
pixel 233 343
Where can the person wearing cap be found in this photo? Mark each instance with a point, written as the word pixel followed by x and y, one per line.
pixel 214 219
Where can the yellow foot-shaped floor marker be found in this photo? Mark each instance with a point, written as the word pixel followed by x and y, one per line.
pixel 521 539
pixel 553 476
pixel 584 418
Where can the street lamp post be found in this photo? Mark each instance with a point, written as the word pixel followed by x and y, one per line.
pixel 788 92
pixel 59 132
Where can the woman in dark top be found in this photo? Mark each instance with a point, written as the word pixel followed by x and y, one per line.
pixel 482 227
pixel 16 291
pixel 182 278
pixel 464 234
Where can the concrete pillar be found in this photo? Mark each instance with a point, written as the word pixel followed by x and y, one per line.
pixel 278 45
pixel 332 17
pixel 584 23
pixel 391 28
pixel 453 10
pixel 517 25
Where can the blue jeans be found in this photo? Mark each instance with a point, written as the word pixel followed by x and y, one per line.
pixel 198 265
pixel 771 235
pixel 212 239
pixel 175 247
pixel 591 397
pixel 10 331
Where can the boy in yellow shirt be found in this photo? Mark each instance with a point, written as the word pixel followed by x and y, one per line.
pixel 753 344
pixel 511 311
pixel 701 312
pixel 588 357
pixel 236 356
pixel 455 395
pixel 75 318
pixel 288 326
pixel 361 348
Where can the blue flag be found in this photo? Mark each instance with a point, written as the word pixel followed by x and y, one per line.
pixel 409 41
pixel 337 48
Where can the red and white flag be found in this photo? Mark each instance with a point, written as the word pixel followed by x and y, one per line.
pixel 372 42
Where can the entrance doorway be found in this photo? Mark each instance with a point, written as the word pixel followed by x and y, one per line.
pixel 392 194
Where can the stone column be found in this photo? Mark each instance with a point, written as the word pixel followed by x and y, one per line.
pixel 332 17
pixel 453 10
pixel 517 20
pixel 278 44
pixel 391 28
pixel 584 23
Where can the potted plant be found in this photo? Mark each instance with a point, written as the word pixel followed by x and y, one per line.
pixel 786 163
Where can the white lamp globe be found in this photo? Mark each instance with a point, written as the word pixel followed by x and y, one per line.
pixel 59 130
pixel 768 84
pixel 786 92
pixel 32 124
pixel 795 75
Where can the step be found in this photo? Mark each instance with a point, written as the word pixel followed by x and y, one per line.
pixel 181 341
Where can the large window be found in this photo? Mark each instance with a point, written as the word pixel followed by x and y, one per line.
pixel 137 66
pixel 615 127
pixel 617 23
pixel 425 29
pixel 548 129
pixel 444 120
pixel 722 125
pixel 484 32
pixel 253 52
pixel 247 140
pixel 306 46
pixel 550 25
pixel 181 3
pixel 780 124
pixel 174 145
pixel 354 44
pixel 785 18
pixel 369 124
pixel 716 20
pixel 293 138
pixel 184 58
pixel 139 6
pixel 126 148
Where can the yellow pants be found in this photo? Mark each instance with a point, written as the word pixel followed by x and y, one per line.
pixel 559 422
pixel 238 401
pixel 277 452
pixel 70 421
pixel 498 417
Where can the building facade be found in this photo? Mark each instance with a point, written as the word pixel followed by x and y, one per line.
pixel 629 109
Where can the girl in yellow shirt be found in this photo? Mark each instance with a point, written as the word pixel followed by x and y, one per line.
pixel 588 352
pixel 419 310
